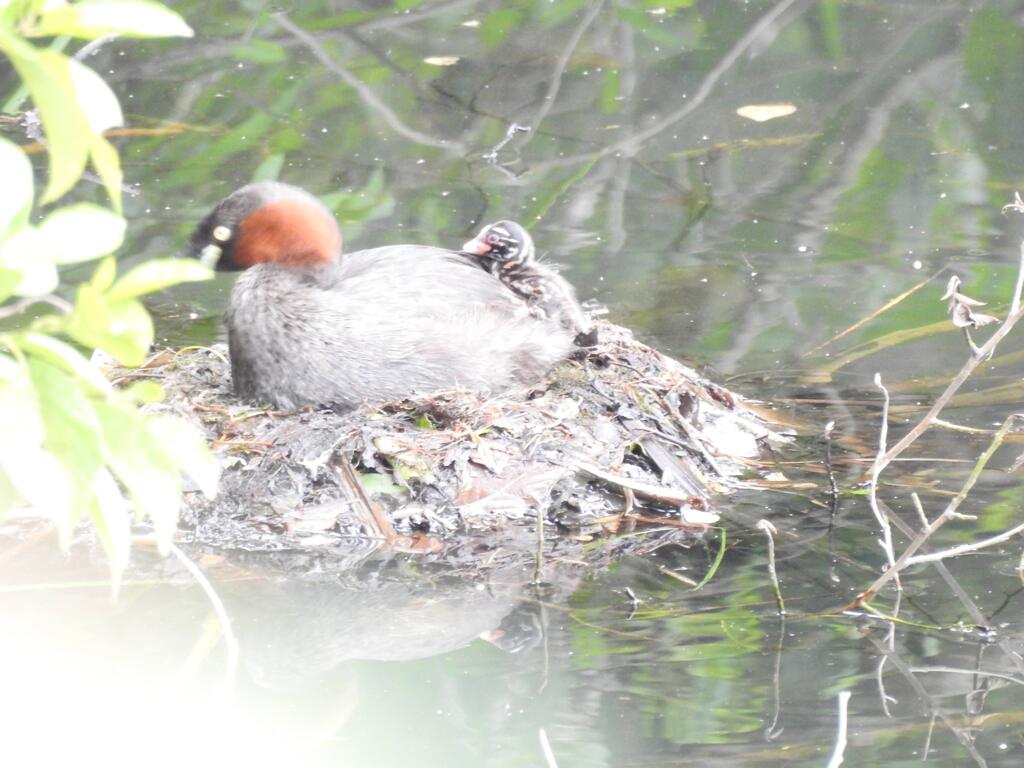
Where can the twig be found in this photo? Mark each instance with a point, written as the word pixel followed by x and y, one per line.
pixel 545 745
pixel 22 304
pixel 978 672
pixel 369 98
pixel 960 427
pixel 92 47
pixel 919 508
pixel 230 641
pixel 773 731
pixel 654 492
pixel 965 548
pixel 837 754
pixel 928 740
pixel 665 571
pixel 538 563
pixel 707 86
pixel 769 530
pixel 880 311
pixel 948 513
pixel 833 489
pixel 876 470
pixel 555 81
pixel 984 353
pixel 513 129
pixel 634 602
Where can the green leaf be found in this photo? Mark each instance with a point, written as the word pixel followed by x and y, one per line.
pixel 104 275
pixel 73 434
pixel 37 476
pixel 187 447
pixel 23 253
pixel 110 516
pixel 260 52
pixel 63 355
pixel 16 191
pixel 652 27
pixel 44 483
pixel 80 232
pixel 8 494
pixel 139 461
pixel 120 328
pixel 157 274
pixel 270 168
pixel 376 484
pixel 97 18
pixel 497 25
pixel 610 91
pixel 108 166
pixel 9 281
pixel 97 102
pixel 143 392
pixel 47 74
pixel 19 412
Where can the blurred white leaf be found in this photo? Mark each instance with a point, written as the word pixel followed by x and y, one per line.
pixel 16 191
pixel 80 232
pixel 761 113
pixel 97 101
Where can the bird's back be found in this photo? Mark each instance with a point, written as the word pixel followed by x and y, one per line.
pixel 381 325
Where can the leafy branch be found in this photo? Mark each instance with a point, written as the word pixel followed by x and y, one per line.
pixel 75 447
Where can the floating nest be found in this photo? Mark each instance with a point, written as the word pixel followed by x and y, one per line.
pixel 621 436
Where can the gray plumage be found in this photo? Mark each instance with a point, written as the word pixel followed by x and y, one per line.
pixel 376 326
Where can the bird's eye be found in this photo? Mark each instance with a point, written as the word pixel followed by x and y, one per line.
pixel 493 239
pixel 221 233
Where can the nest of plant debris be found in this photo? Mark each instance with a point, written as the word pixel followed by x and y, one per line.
pixel 622 434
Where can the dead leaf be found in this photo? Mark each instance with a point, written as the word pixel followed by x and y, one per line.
pixel 961 311
pixel 761 113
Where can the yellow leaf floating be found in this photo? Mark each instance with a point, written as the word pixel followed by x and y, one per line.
pixel 763 112
pixel 441 61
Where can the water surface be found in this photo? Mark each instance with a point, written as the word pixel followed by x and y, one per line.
pixel 740 246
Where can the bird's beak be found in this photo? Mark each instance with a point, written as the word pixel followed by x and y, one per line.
pixel 476 246
pixel 210 255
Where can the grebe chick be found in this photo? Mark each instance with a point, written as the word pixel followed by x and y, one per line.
pixel 307 326
pixel 507 251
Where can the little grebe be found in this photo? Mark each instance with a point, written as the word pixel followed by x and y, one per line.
pixel 308 326
pixel 507 251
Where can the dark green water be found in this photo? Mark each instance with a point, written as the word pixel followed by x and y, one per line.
pixel 734 244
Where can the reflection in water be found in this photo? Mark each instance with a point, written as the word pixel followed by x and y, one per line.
pixel 735 243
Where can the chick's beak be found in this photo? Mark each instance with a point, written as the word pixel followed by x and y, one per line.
pixel 476 246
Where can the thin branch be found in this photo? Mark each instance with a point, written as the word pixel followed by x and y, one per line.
pixel 978 672
pixel 873 315
pixel 230 641
pixel 492 155
pixel 984 353
pixel 837 754
pixel 545 745
pixel 948 513
pixel 876 470
pixel 707 86
pixel 770 529
pixel 21 305
pixel 369 98
pixel 965 548
pixel 538 565
pixel 555 82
